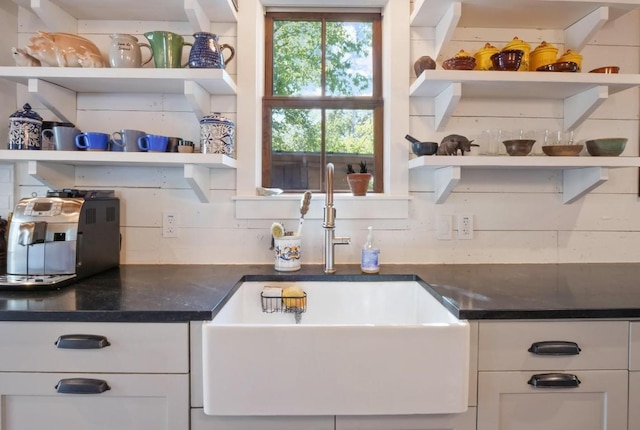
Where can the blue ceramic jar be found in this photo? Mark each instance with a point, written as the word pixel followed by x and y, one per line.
pixel 25 128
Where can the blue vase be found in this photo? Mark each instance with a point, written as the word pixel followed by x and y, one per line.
pixel 206 52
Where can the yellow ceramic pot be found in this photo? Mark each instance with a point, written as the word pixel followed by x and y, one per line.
pixel 544 54
pixel 572 56
pixel 483 57
pixel 522 46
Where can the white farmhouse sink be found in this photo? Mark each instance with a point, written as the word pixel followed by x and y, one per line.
pixel 372 348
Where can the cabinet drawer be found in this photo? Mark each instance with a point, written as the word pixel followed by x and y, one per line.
pixel 506 345
pixel 132 402
pixel 115 347
pixel 506 401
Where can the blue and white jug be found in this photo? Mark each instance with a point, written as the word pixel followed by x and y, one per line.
pixel 206 52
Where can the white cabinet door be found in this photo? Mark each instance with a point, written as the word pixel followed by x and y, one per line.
pixel 132 402
pixel 506 401
pixel 634 400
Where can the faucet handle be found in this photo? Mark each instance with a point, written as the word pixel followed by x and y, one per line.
pixel 342 241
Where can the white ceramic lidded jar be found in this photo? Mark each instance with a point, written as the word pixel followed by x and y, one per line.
pixel 217 135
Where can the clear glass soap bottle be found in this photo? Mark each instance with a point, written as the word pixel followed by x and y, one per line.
pixel 369 262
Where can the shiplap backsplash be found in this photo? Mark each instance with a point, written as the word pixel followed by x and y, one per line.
pixel 518 215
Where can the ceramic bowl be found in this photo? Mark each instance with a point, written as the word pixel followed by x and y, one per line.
pixel 562 150
pixel 424 148
pixel 519 146
pixel 459 63
pixel 507 60
pixel 606 147
pixel 561 66
pixel 606 69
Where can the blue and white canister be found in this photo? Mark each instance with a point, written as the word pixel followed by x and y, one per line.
pixel 25 128
pixel 217 135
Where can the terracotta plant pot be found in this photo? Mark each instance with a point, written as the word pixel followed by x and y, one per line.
pixel 359 183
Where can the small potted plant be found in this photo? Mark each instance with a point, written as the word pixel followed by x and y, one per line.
pixel 358 181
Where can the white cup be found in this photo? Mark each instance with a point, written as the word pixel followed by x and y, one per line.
pixel 288 253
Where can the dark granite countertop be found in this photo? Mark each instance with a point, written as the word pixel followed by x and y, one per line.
pixel 166 293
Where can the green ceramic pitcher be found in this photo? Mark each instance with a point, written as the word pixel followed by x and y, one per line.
pixel 167 49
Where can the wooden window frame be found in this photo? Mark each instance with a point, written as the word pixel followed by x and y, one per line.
pixel 374 102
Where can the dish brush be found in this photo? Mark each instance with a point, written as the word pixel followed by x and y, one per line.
pixel 304 208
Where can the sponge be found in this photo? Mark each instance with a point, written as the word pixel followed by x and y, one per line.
pixel 294 297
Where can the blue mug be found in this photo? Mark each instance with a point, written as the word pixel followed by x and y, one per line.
pixel 153 143
pixel 92 141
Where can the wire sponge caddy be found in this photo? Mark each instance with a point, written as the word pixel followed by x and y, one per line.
pixel 293 304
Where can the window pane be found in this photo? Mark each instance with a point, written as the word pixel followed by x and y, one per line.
pixel 296 149
pixel 297 58
pixel 349 59
pixel 350 131
pixel 349 138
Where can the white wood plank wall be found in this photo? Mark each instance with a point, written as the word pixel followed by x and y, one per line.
pixel 518 215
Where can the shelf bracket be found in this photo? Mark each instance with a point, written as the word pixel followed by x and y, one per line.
pixel 198 98
pixel 197 16
pixel 198 178
pixel 60 101
pixel 579 107
pixel 447 26
pixel 445 103
pixel 578 34
pixel 578 182
pixel 55 18
pixel 54 175
pixel 445 180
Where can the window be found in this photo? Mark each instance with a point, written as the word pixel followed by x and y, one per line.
pixel 323 99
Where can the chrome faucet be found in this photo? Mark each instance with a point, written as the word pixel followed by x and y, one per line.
pixel 329 225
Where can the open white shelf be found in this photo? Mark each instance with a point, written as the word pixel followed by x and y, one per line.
pixel 63 15
pixel 580 19
pixel 56 169
pixel 582 92
pixel 580 174
pixel 57 87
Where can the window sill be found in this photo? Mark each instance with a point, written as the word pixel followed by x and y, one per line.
pixel 371 206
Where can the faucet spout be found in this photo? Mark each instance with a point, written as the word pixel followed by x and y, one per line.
pixel 329 224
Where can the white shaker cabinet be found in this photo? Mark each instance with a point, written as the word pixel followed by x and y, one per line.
pixel 634 376
pixel 98 376
pixel 553 375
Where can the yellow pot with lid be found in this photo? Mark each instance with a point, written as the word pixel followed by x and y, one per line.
pixel 573 57
pixel 522 46
pixel 543 55
pixel 483 57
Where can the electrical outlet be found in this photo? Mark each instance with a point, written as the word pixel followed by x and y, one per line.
pixel 169 224
pixel 465 227
pixel 444 227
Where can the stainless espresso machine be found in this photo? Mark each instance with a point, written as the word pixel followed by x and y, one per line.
pixel 65 236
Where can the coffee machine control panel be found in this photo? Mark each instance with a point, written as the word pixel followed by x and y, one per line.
pixel 45 208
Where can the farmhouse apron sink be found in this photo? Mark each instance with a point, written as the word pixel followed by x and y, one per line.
pixel 357 348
